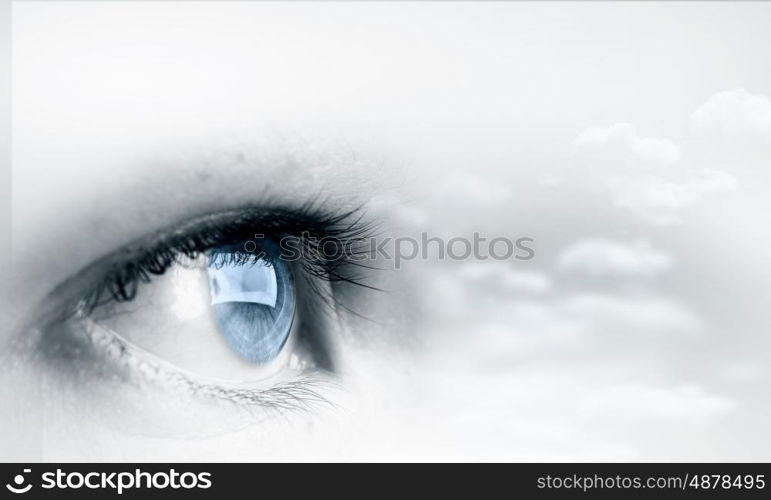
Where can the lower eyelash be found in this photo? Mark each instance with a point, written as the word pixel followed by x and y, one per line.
pixel 299 395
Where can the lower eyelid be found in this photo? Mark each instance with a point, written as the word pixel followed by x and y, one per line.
pixel 90 354
pixel 151 368
pixel 78 347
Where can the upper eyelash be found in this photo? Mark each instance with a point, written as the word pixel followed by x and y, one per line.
pixel 137 263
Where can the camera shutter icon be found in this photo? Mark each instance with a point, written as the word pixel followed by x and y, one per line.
pixel 17 485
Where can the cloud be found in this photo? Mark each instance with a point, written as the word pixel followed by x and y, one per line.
pixel 648 177
pixel 683 404
pixel 622 139
pixel 733 114
pixel 582 326
pixel 606 257
pixel 463 187
pixel 502 275
pixel 617 316
pixel 657 199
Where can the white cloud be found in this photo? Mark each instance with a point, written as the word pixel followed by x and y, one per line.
pixel 649 177
pixel 683 404
pixel 464 187
pixel 733 114
pixel 622 138
pixel 624 317
pixel 606 257
pixel 500 330
pixel 504 275
pixel 657 199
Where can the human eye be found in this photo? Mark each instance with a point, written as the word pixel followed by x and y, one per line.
pixel 239 307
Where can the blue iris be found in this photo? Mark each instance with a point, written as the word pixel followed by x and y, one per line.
pixel 253 301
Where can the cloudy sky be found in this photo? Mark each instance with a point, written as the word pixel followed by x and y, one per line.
pixel 639 330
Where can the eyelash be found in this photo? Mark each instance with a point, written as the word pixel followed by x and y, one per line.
pixel 308 225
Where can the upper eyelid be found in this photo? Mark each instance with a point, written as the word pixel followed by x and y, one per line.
pixel 257 218
pixel 318 220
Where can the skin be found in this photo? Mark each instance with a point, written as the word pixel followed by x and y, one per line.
pixel 130 119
